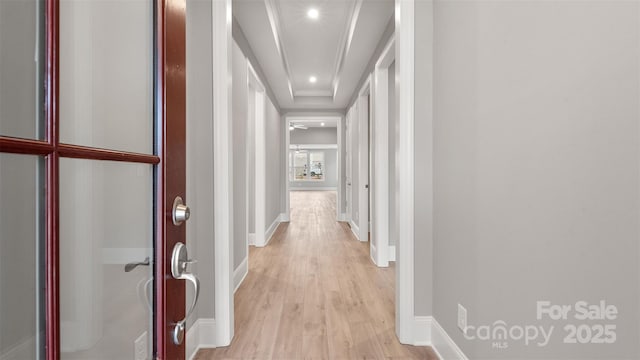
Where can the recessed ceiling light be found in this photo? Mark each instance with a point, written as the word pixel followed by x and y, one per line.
pixel 321 124
pixel 313 13
pixel 313 79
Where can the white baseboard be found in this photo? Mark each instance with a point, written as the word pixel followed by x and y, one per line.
pixel 443 345
pixel 392 253
pixel 422 330
pixel 372 250
pixel 272 229
pixel 240 273
pixel 201 335
pixel 428 332
pixel 343 217
pixel 325 188
pixel 251 238
pixel 354 229
pixel 24 350
pixel 284 217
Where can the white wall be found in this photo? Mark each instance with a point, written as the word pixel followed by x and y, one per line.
pixel 275 152
pixel 314 135
pixel 244 143
pixel 536 167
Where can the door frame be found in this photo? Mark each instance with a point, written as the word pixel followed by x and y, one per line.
pixel 407 324
pixel 364 115
pixel 339 188
pixel 348 189
pixel 381 190
pixel 224 311
pixel 221 16
pixel 256 102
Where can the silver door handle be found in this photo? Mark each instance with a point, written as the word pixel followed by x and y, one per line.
pixel 130 266
pixel 179 263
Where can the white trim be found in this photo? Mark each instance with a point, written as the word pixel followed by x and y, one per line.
pixel 342 217
pixel 339 157
pixel 315 93
pixel 258 115
pixel 372 251
pixel 422 330
pixel 274 20
pixel 287 164
pixel 304 188
pixel 354 229
pixel 270 231
pixel 223 170
pixel 240 273
pixel 312 146
pixel 443 345
pixel 23 350
pixel 251 239
pixel 363 159
pixel 315 119
pixel 348 166
pixel 380 150
pixel 405 18
pixel 284 217
pixel 392 253
pixel 345 45
pixel 201 335
pixel 428 332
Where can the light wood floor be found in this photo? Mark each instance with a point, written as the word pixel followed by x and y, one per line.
pixel 313 293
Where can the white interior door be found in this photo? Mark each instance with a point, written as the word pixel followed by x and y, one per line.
pixel 348 154
pixel 363 166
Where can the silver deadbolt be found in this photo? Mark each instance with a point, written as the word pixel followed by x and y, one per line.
pixel 179 263
pixel 180 212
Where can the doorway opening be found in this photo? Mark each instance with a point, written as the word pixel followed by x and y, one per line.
pixel 314 157
pixel 309 95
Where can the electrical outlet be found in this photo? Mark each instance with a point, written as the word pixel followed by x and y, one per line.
pixel 140 347
pixel 462 318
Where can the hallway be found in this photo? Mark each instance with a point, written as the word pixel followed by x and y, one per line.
pixel 313 293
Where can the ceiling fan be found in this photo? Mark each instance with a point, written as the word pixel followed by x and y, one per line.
pixel 297 126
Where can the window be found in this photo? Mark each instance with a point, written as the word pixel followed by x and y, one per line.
pixel 306 165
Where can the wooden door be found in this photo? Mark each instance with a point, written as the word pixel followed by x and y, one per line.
pixel 101 148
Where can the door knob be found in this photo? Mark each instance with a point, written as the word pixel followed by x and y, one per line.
pixel 180 212
pixel 179 262
pixel 130 266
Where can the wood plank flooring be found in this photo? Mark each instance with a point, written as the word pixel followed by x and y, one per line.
pixel 314 293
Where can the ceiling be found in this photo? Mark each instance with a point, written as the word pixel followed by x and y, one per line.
pixel 291 47
pixel 328 123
